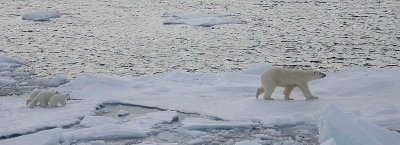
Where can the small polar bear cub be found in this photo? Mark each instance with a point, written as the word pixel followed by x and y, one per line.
pixel 58 99
pixel 41 97
pixel 289 79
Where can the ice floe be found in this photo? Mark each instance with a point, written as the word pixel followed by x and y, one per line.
pixel 42 16
pixel 123 113
pixel 369 95
pixel 47 137
pixel 109 129
pixel 206 20
pixel 336 127
pixel 91 121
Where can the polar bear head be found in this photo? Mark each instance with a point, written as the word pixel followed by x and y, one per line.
pixel 317 75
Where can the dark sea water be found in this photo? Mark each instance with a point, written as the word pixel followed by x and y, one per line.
pixel 128 38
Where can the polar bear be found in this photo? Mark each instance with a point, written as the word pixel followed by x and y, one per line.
pixel 43 98
pixel 289 79
pixel 32 96
pixel 59 98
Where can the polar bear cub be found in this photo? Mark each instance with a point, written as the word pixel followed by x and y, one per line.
pixel 42 97
pixel 58 99
pixel 289 79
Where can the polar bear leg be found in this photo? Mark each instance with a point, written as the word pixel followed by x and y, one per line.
pixel 43 103
pixel 33 104
pixel 259 91
pixel 287 91
pixel 269 89
pixel 306 91
pixel 32 96
pixel 63 104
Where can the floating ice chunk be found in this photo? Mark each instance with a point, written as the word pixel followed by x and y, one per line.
pixel 246 142
pixel 203 123
pixel 334 124
pixel 91 121
pixel 206 20
pixel 48 137
pixel 137 128
pixel 188 16
pixel 107 131
pixel 42 16
pixel 123 113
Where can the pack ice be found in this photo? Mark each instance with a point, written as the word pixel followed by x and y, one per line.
pixel 367 97
pixel 42 16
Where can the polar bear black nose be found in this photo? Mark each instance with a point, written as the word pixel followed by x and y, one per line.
pixel 323 75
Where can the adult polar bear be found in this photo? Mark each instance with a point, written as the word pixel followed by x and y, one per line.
pixel 289 79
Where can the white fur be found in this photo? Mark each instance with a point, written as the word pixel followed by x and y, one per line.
pixel 32 96
pixel 289 79
pixel 43 98
pixel 59 98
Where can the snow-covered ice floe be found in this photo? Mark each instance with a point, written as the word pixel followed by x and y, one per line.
pixel 107 128
pixel 42 16
pixel 370 94
pixel 206 20
pixel 337 128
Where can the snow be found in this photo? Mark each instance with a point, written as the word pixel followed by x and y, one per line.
pixel 48 137
pixel 206 20
pixel 123 113
pixel 368 94
pixel 91 121
pixel 106 131
pixel 334 124
pixel 42 16
pixel 106 128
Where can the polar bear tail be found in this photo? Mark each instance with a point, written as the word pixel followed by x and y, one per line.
pixel 259 91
